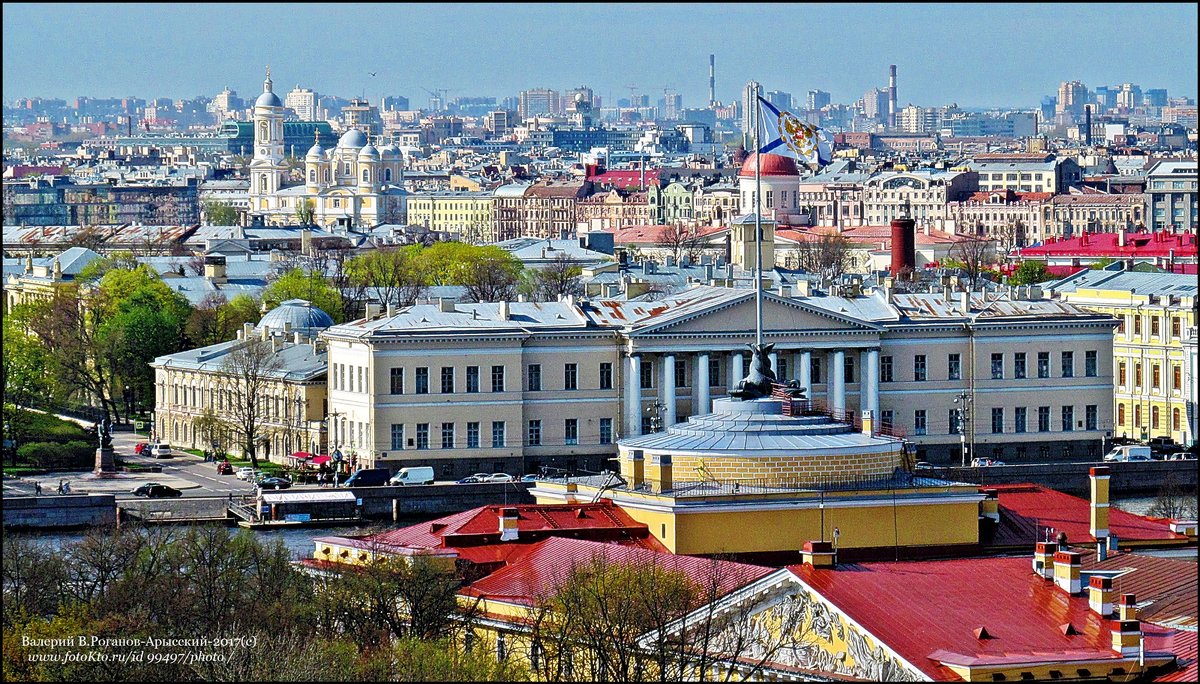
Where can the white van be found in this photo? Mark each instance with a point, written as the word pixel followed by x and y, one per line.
pixel 1124 454
pixel 421 475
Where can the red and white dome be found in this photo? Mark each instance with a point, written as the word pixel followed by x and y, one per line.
pixel 772 165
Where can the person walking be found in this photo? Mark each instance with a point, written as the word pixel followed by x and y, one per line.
pixel 67 487
pixel 37 488
pixel 60 487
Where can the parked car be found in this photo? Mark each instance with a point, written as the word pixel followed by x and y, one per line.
pixel 368 477
pixel 985 462
pixel 1163 445
pixel 1124 454
pixel 470 479
pixel 1180 456
pixel 140 447
pixel 924 465
pixel 274 483
pixel 421 475
pixel 529 478
pixel 224 468
pixel 499 477
pixel 161 451
pixel 153 490
pixel 245 473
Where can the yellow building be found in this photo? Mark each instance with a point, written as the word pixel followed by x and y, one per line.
pixel 471 215
pixel 1154 348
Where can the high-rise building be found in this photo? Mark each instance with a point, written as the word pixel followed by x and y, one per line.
pixel 569 97
pixel 672 106
pixel 395 103
pixel 538 101
pixel 500 123
pixel 1106 98
pixel 816 100
pixel 1129 96
pixel 750 96
pixel 1072 96
pixel 303 101
pixel 362 115
pixel 780 99
pixel 1156 97
pixel 875 104
pixel 225 104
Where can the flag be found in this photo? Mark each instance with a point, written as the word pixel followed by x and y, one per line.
pixel 785 134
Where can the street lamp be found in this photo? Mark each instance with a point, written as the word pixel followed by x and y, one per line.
pixel 656 410
pixel 128 395
pixel 963 400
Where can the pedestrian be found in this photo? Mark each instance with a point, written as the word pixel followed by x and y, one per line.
pixel 60 487
pixel 67 487
pixel 37 488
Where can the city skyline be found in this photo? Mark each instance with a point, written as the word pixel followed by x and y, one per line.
pixel 997 61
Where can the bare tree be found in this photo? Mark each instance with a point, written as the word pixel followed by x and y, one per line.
pixel 974 256
pixel 563 276
pixel 248 373
pixel 827 255
pixel 491 278
pixel 682 240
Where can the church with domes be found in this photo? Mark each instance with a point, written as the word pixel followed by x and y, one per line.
pixel 353 185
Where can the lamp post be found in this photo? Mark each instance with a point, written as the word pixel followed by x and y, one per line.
pixel 656 410
pixel 963 400
pixel 128 396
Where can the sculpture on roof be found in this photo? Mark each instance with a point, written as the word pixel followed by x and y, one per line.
pixel 757 383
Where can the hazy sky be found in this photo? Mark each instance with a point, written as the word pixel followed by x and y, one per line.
pixel 972 54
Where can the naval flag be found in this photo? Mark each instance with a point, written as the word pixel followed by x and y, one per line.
pixel 787 135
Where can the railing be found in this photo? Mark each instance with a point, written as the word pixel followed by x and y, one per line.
pixel 817 407
pixel 895 480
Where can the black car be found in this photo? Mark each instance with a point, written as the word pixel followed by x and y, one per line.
pixel 470 479
pixel 157 491
pixel 1163 445
pixel 274 483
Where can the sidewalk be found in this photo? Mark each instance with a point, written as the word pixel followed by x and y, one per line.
pixel 121 483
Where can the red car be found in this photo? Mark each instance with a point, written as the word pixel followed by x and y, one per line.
pixel 140 447
pixel 223 468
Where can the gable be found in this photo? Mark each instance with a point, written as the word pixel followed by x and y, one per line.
pixel 739 316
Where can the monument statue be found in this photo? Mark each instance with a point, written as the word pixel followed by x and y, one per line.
pixel 104 432
pixel 757 383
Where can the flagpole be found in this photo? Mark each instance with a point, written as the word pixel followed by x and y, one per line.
pixel 758 295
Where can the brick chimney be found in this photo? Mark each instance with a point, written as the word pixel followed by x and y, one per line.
pixel 661 472
pixel 509 519
pixel 637 468
pixel 818 554
pixel 1098 526
pixel 868 422
pixel 1043 559
pixel 1127 607
pixel 1100 595
pixel 1127 638
pixel 990 506
pixel 1067 571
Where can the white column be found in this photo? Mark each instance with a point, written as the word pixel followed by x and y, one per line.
pixel 774 358
pixel 703 403
pixel 633 396
pixel 837 382
pixel 806 374
pixel 735 370
pixel 872 380
pixel 667 390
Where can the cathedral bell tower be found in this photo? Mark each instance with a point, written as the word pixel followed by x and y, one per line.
pixel 267 169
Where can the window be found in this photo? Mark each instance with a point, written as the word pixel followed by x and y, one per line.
pixel 606 430
pixel 919 422
pixel 848 367
pixel 1155 326
pixel 535 433
pixel 997 420
pixel 1176 377
pixel 1089 363
pixel 1176 326
pixel 952 419
pixel 397 378
pixel 647 379
pixel 571 431
pixel 681 375
pixel 497 434
pixel 997 366
pixel 1121 372
pixel 1043 419
pixel 447 435
pixel 473 435
pixel 1090 417
pixel 472 379
pixel 1068 418
pixel 1156 376
pixel 1019 419
pixel 647 425
pixel 714 374
pixel 1154 417
pixel 1175 417
pixel 1137 325
pixel 535 377
pixel 422 380
pixel 954 367
pixel 397 436
pixel 422 435
pixel 1068 364
pixel 571 376
pixel 815 369
pixel 497 378
pixel 1137 415
pixel 447 379
pixel 919 368
pixel 606 376
pixel 887 416
pixel 1043 364
pixel 1137 375
pixel 781 373
pixel 885 369
pixel 361 384
pixel 1121 414
pixel 1019 365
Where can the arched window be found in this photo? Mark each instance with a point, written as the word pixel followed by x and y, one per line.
pixel 264 131
pixel 312 175
pixel 346 168
pixel 326 175
pixel 262 183
pixel 366 176
pixel 387 175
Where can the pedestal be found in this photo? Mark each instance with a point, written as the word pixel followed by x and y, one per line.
pixel 105 464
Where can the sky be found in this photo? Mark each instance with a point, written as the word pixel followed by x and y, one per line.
pixel 975 55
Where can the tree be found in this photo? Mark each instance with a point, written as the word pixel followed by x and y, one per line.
pixel 1174 501
pixel 306 212
pixel 307 285
pixel 1102 263
pixel 827 255
pixel 248 374
pixel 561 277
pixel 974 256
pixel 393 272
pixel 25 383
pixel 1029 272
pixel 491 276
pixel 682 241
pixel 217 213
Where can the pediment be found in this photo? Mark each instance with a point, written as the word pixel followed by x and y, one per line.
pixel 779 314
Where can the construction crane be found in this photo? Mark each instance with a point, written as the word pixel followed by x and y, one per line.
pixel 632 94
pixel 439 96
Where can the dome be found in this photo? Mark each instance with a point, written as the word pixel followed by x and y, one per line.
pixel 301 314
pixel 316 152
pixel 579 97
pixel 368 152
pixel 772 165
pixel 352 138
pixel 389 151
pixel 268 99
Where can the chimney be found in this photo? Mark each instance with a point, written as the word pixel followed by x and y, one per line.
pixel 391 310
pixel 712 79
pixel 1100 595
pixel 446 305
pixel 214 269
pixel 892 96
pixel 904 248
pixel 1043 559
pixel 306 242
pixel 247 330
pixel 266 333
pixel 1120 238
pixel 803 288
pixel 1067 567
pixel 818 554
pixel 503 312
pixel 297 338
pixel 661 472
pixel 372 310
pixel 1127 638
pixel 990 506
pixel 1098 526
pixel 637 468
pixel 868 423
pixel 964 302
pixel 287 327
pixel 1127 607
pixel 509 521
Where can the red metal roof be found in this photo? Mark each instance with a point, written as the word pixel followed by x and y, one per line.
pixel 658 234
pixel 1168 584
pixel 549 562
pixel 1096 245
pixel 1027 510
pixel 1180 642
pixel 772 165
pixel 626 178
pixel 928 611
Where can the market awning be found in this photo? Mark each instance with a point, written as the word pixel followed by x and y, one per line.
pixel 318 460
pixel 301 455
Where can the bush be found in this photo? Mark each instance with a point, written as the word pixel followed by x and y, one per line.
pixel 49 428
pixel 74 455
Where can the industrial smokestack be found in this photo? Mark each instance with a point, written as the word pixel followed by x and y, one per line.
pixel 892 96
pixel 904 248
pixel 712 80
pixel 1087 121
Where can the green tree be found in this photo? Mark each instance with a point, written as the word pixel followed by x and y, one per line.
pixel 216 320
pixel 393 272
pixel 1102 263
pixel 306 212
pixel 217 213
pixel 1030 271
pixel 309 286
pixel 248 373
pixel 25 382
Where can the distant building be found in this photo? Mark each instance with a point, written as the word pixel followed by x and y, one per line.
pixel 817 99
pixel 303 101
pixel 538 101
pixel 1171 196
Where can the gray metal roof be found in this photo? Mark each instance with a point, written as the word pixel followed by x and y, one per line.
pixel 1175 284
pixel 298 315
pixel 297 362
